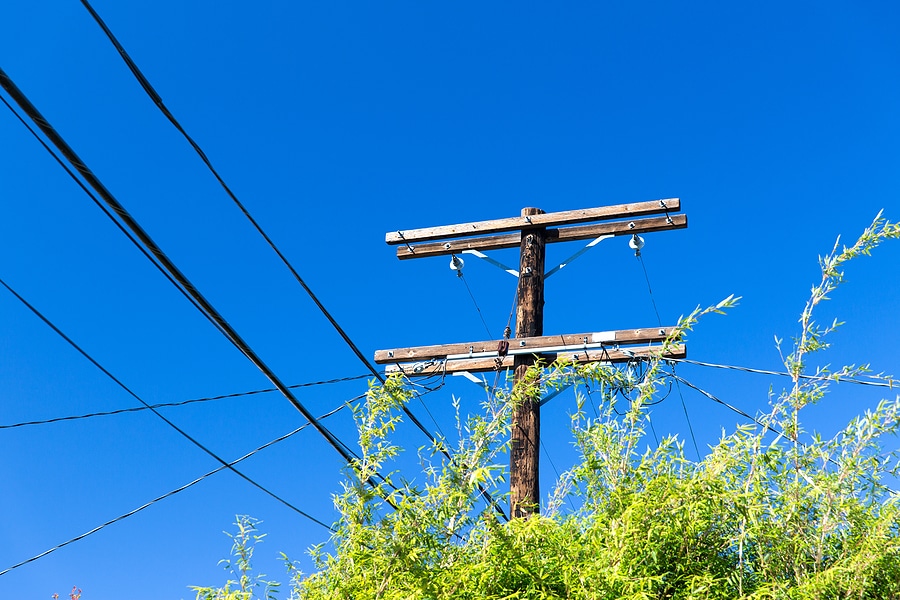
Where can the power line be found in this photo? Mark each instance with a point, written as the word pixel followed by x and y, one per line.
pixel 462 278
pixel 723 403
pixel 131 393
pixel 181 489
pixel 686 417
pixel 200 301
pixel 680 395
pixel 774 430
pixel 649 289
pixel 173 404
pixel 158 101
pixel 890 383
pixel 100 205
pixel 555 470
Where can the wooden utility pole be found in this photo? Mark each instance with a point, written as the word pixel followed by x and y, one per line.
pixel 532 231
pixel 524 453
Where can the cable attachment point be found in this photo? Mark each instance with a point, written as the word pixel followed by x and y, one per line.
pixel 636 243
pixel 665 207
pixel 408 247
pixel 502 351
pixel 456 264
pixel 507 332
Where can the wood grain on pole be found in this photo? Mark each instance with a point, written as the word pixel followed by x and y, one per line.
pixel 569 217
pixel 430 368
pixel 608 338
pixel 563 234
pixel 524 483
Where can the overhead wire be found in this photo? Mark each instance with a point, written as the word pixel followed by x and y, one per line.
pixel 174 404
pixel 100 204
pixel 723 403
pixel 653 430
pixel 428 411
pixel 556 471
pixel 462 277
pixel 688 419
pixel 659 322
pixel 158 101
pixel 134 395
pixel 890 383
pixel 507 333
pixel 201 303
pixel 146 505
pixel 177 278
pixel 649 289
pixel 771 429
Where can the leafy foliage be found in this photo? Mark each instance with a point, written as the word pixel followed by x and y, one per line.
pixel 770 512
pixel 245 585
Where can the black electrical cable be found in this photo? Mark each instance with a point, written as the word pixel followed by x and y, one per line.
pixel 555 470
pixel 157 100
pixel 100 205
pixel 134 395
pixel 890 383
pixel 173 404
pixel 181 489
pixel 145 84
pixel 462 278
pixel 649 289
pixel 687 418
pixel 201 302
pixel 680 395
pixel 773 429
pixel 723 403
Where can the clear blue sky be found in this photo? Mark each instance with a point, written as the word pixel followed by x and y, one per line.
pixel 776 124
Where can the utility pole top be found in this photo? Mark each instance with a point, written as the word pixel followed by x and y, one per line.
pixel 531 231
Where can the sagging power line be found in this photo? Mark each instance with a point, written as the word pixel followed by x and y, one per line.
pixel 134 395
pixel 890 383
pixel 175 404
pixel 177 490
pixel 176 276
pixel 158 101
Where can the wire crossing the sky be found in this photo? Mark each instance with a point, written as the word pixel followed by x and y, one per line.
pixel 134 395
pixel 181 489
pixel 174 404
pixel 101 206
pixel 200 301
pixel 157 100
pixel 678 387
pixel 890 383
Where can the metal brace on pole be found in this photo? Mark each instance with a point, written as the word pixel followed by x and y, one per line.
pixel 590 245
pixel 496 263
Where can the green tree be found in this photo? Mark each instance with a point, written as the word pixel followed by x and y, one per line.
pixel 770 512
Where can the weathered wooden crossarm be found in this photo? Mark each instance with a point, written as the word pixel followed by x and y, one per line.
pixel 482 365
pixel 530 345
pixel 565 234
pixel 557 219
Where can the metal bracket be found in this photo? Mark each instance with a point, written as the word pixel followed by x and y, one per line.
pixel 487 258
pixel 479 382
pixel 482 383
pixel 590 245
pixel 554 394
pixel 515 273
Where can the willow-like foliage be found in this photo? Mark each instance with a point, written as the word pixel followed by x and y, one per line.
pixel 770 512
